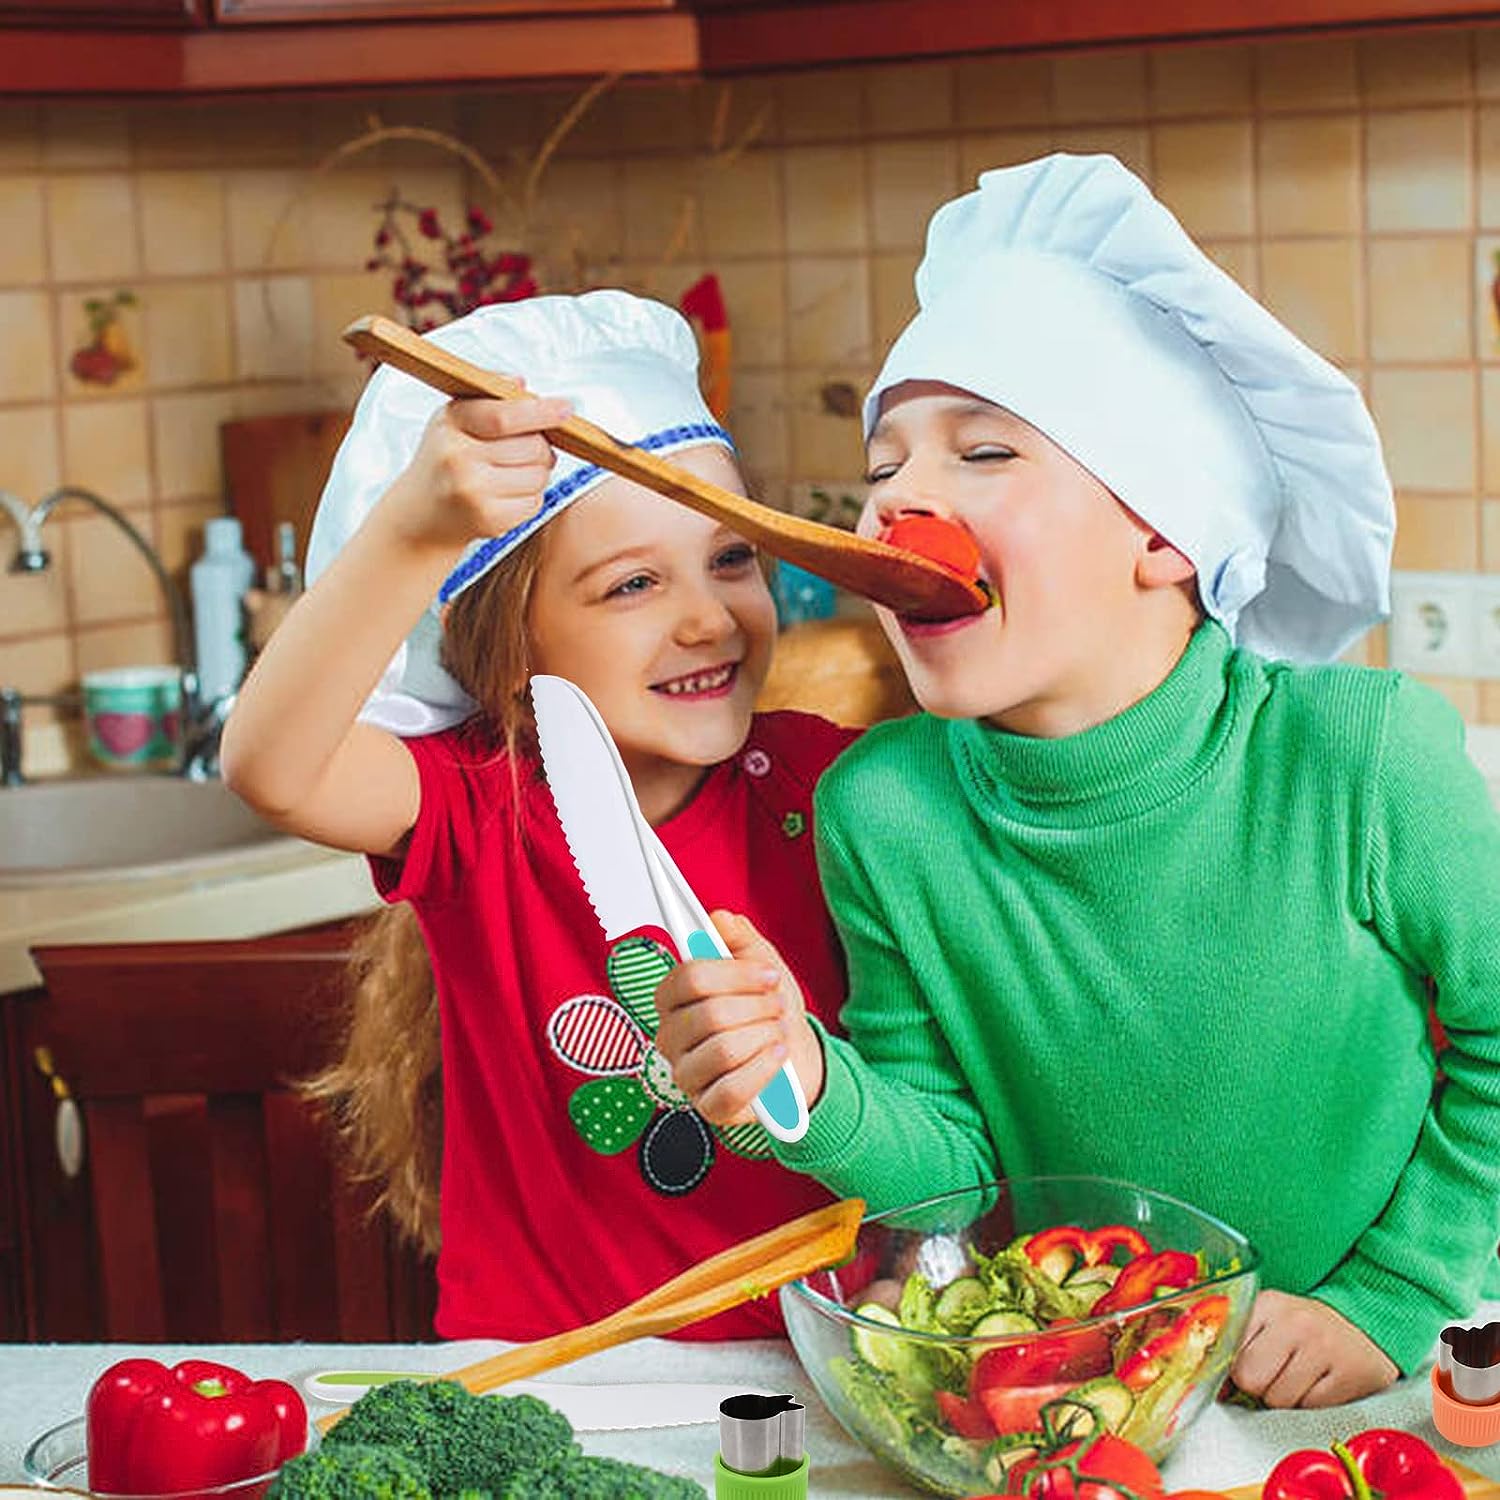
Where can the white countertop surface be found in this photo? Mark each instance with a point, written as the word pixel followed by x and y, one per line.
pixel 272 888
pixel 46 1384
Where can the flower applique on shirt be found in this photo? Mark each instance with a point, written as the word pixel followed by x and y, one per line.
pixel 630 1098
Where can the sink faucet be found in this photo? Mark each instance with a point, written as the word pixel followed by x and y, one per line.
pixel 201 722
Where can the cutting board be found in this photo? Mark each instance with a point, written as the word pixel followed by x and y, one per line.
pixel 1476 1486
pixel 274 469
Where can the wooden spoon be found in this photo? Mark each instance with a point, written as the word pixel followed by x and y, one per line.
pixel 901 580
pixel 750 1269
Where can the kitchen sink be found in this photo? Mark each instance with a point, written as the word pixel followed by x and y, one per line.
pixel 126 827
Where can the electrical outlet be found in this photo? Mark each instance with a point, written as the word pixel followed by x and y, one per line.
pixel 1484 593
pixel 1432 624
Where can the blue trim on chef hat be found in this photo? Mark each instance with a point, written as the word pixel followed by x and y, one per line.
pixel 488 553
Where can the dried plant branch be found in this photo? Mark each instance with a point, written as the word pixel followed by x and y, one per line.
pixel 502 198
pixel 555 137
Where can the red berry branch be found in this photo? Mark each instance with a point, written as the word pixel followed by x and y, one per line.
pixel 472 274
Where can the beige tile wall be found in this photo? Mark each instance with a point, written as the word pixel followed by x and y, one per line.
pixel 1354 184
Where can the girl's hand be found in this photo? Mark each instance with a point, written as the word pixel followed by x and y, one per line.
pixel 481 469
pixel 1300 1352
pixel 728 1024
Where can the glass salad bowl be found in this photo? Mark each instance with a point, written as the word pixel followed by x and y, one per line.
pixel 968 1330
pixel 59 1460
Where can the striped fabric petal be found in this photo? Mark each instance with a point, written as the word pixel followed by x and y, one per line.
pixel 593 1034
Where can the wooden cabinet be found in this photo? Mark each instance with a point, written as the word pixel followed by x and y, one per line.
pixel 103 12
pixel 209 1206
pixel 166 47
pixel 407 10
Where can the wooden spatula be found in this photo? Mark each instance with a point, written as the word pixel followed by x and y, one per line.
pixel 750 1269
pixel 901 580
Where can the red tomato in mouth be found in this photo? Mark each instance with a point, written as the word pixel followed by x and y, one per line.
pixel 943 542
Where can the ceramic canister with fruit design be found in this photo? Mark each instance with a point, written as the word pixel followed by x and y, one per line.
pixel 134 715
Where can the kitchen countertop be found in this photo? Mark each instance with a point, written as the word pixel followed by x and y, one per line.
pixel 1226 1446
pixel 270 888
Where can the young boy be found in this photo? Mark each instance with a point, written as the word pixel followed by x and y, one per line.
pixel 1138 895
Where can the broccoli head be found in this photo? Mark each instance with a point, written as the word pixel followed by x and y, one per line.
pixel 349 1471
pixel 583 1476
pixel 460 1441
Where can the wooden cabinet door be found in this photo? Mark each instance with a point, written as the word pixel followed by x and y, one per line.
pixel 210 1205
pixel 405 10
pixel 102 12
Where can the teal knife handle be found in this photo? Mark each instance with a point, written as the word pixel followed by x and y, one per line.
pixel 779 1105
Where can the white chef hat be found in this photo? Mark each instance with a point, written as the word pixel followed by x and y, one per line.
pixel 628 364
pixel 1064 292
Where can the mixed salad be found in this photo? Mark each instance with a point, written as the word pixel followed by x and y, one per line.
pixel 962 1416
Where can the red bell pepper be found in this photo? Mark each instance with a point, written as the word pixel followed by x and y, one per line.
pixel 1380 1462
pixel 1139 1280
pixel 1192 1334
pixel 155 1431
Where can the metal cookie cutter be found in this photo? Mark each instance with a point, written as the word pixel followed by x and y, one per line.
pixel 761 1449
pixel 1466 1385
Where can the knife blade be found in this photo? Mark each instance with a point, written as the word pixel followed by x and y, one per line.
pixel 590 1408
pixel 598 815
pixel 630 879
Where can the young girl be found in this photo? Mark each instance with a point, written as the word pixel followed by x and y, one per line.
pixel 574 1175
pixel 1135 897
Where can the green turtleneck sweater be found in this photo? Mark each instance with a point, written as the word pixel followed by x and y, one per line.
pixel 1187 947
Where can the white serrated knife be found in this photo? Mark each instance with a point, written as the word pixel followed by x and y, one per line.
pixel 630 878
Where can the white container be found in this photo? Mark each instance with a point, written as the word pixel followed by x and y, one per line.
pixel 220 579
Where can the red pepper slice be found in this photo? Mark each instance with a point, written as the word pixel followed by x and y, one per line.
pixel 155 1431
pixel 1059 1249
pixel 1138 1282
pixel 1195 1330
pixel 1051 1248
pixel 1113 1237
pixel 1379 1461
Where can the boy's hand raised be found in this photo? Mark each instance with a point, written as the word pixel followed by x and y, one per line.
pixel 727 1025
pixel 481 468
pixel 1300 1352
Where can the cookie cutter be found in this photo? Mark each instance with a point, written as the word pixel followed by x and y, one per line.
pixel 1466 1385
pixel 761 1449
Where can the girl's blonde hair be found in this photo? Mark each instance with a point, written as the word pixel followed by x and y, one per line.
pixel 385 1091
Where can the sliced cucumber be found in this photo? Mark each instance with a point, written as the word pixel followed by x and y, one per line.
pixel 897 1357
pixel 875 1348
pixel 1058 1262
pixel 1084 1294
pixel 1109 1397
pixel 1105 1273
pixel 1006 1452
pixel 994 1325
pixel 962 1303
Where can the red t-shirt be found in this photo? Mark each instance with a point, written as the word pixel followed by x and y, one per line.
pixel 575 1178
